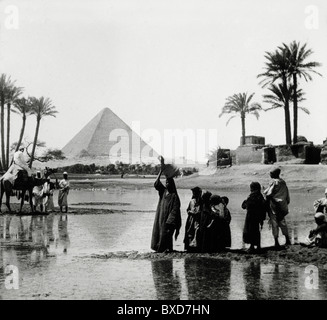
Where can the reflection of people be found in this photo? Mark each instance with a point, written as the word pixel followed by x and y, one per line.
pixel 253 286
pixel 63 232
pixel 38 192
pixel 207 279
pixel 168 216
pixel 255 215
pixel 192 223
pixel 166 281
pixel 49 224
pixel 320 205
pixel 278 196
pixel 63 192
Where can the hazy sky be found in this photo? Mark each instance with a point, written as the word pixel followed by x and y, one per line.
pixel 169 64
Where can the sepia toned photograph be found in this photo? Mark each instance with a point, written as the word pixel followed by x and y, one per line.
pixel 163 150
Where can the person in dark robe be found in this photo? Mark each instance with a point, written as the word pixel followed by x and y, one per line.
pixel 205 219
pixel 255 215
pixel 193 221
pixel 168 216
pixel 220 235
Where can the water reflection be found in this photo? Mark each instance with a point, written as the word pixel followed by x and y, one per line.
pixel 33 235
pixel 63 239
pixel 207 278
pixel 210 279
pixel 253 282
pixel 166 280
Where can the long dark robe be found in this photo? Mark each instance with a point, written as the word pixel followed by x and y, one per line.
pixel 167 220
pixel 220 233
pixel 204 232
pixel 256 214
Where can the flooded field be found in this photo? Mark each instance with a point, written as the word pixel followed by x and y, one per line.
pixel 57 256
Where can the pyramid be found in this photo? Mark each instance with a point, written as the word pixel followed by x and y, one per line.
pixel 106 135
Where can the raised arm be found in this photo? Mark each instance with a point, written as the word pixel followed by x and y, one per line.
pixel 158 185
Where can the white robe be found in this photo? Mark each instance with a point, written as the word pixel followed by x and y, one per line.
pixel 18 164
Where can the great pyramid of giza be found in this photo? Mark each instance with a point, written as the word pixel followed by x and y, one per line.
pixel 107 135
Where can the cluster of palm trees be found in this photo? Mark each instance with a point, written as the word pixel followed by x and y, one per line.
pixel 12 101
pixel 283 68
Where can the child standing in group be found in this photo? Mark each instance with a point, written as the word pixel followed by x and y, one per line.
pixel 255 215
pixel 193 219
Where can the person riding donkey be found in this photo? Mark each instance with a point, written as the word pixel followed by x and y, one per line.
pixel 19 167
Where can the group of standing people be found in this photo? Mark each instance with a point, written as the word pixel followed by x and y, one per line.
pixel 273 202
pixel 207 227
pixel 43 193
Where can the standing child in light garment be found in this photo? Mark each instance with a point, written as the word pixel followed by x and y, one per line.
pixel 193 220
pixel 255 215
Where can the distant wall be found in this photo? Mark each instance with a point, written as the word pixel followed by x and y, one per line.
pixel 305 151
pixel 253 140
pixel 249 154
pixel 323 154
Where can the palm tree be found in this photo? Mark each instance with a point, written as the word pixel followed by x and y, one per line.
pixel 278 97
pixel 277 67
pixel 41 108
pixel 5 86
pixel 13 94
pixel 298 67
pixel 239 104
pixel 23 107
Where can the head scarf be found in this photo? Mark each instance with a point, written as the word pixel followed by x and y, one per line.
pixel 255 186
pixel 215 199
pixel 197 192
pixel 275 173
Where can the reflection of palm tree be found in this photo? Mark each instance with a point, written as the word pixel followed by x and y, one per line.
pixel 207 278
pixel 167 284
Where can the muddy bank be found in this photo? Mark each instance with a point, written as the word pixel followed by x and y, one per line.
pixel 297 176
pixel 294 254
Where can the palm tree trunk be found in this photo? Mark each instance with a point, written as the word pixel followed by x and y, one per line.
pixel 287 114
pixel 295 109
pixel 243 130
pixel 22 130
pixel 3 158
pixel 288 124
pixel 38 120
pixel 8 134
